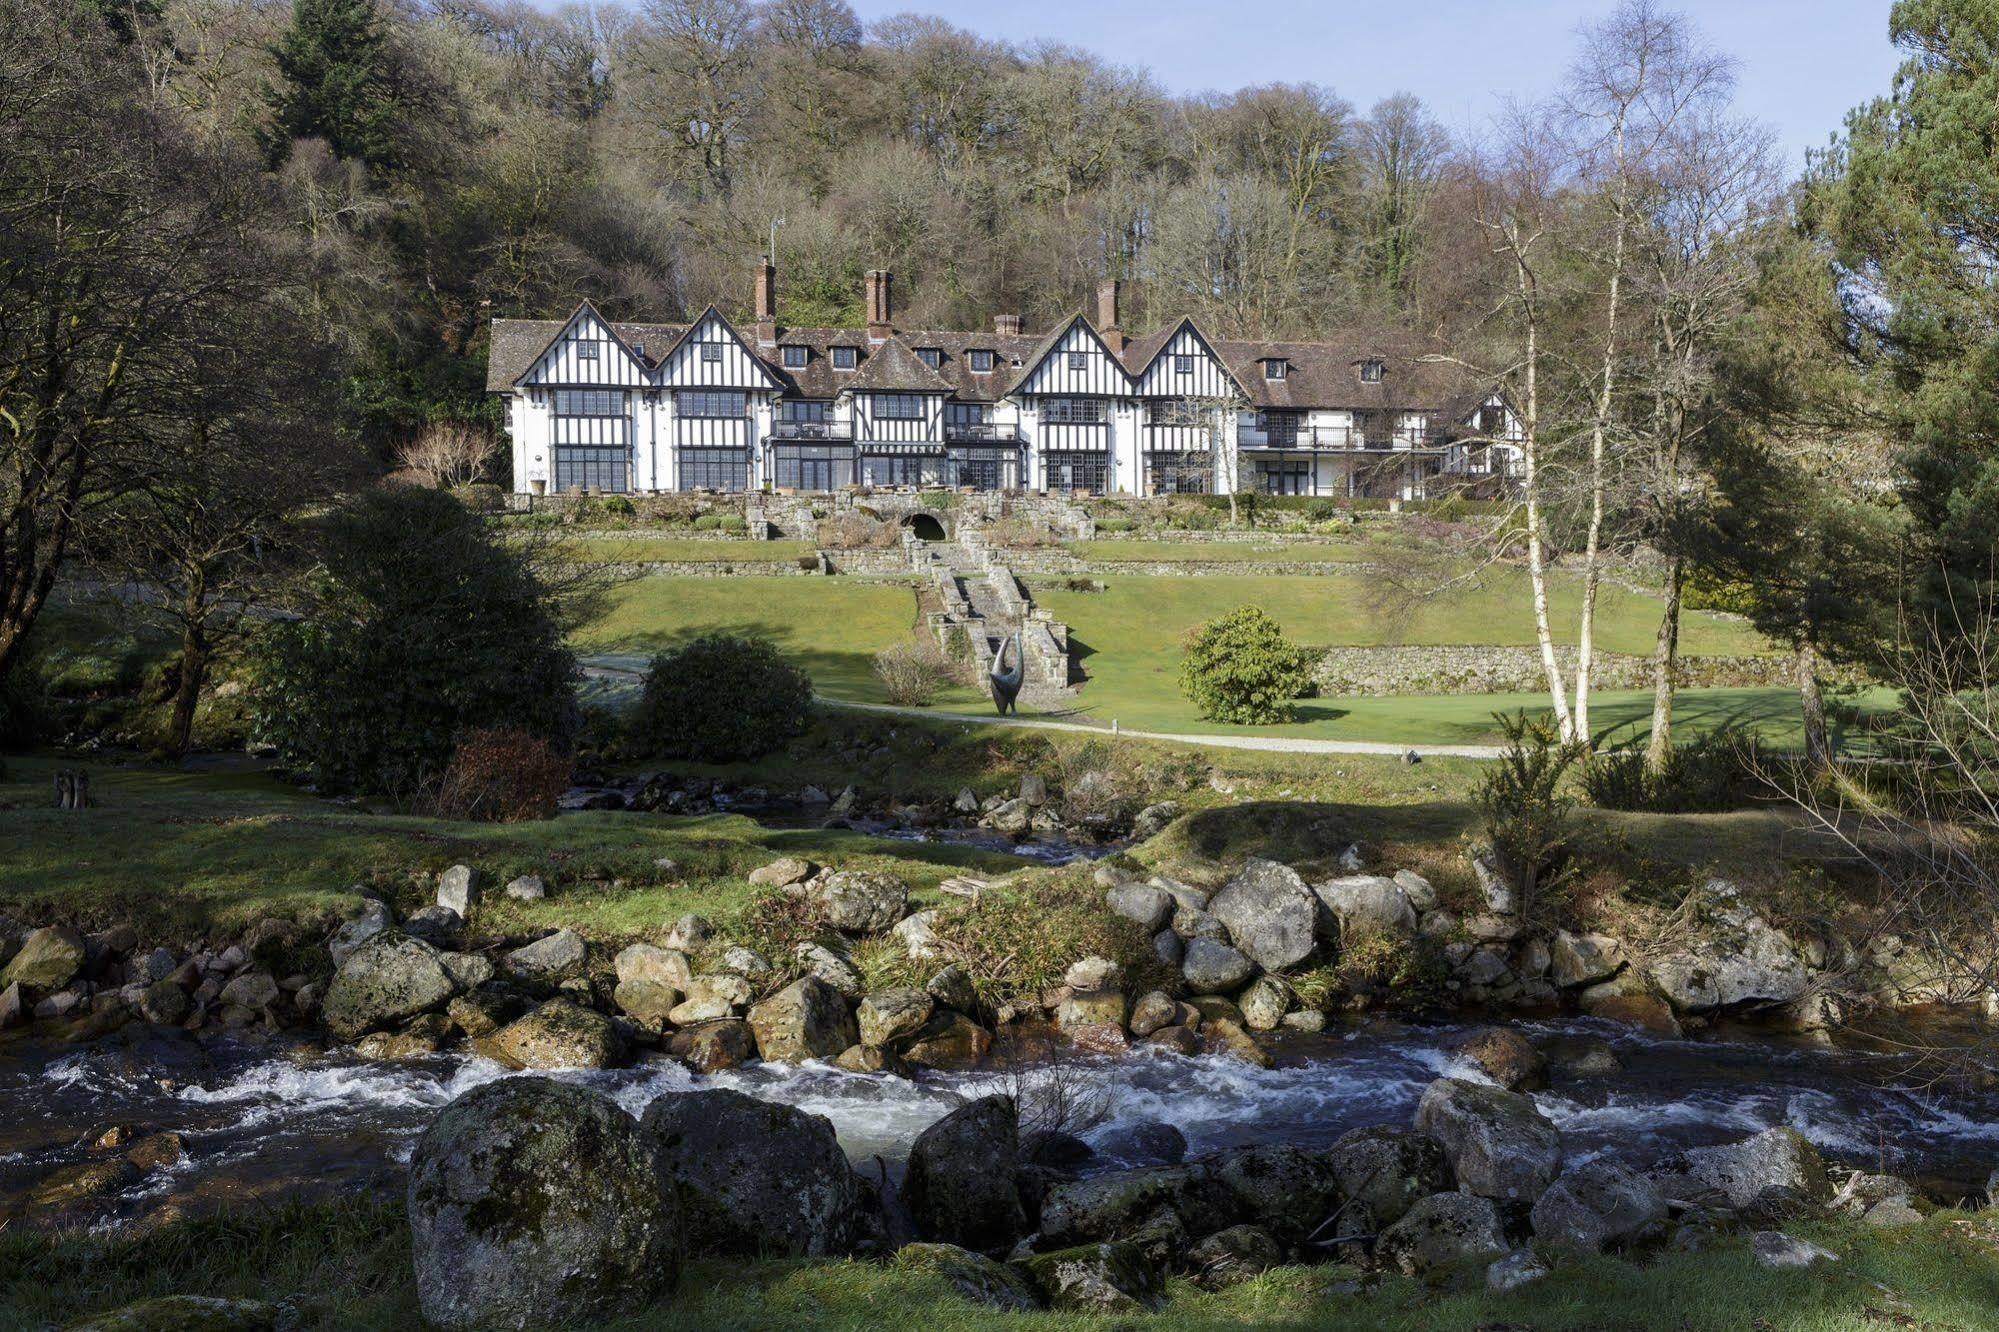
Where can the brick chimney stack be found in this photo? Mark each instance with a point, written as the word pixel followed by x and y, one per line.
pixel 766 302
pixel 1108 322
pixel 880 306
pixel 1007 325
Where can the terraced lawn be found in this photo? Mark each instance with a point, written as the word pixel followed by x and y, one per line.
pixel 1225 552
pixel 617 548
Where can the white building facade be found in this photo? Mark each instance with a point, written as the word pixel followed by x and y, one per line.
pixel 602 406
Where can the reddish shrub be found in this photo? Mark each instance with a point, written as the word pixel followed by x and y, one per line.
pixel 503 775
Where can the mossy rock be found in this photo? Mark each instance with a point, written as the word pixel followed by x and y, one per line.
pixel 978 1278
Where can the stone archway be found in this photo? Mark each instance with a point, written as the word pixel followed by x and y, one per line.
pixel 927 527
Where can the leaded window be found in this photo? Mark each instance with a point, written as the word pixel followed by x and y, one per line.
pixel 587 468
pixel 930 356
pixel 1079 361
pixel 1077 471
pixel 1183 364
pixel 846 358
pixel 1073 411
pixel 711 353
pixel 898 407
pixel 794 358
pixel 981 360
pixel 589 402
pixel 712 403
pixel 714 469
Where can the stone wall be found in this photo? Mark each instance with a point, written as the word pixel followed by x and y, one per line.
pixel 1454 669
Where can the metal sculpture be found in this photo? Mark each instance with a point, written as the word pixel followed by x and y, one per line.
pixel 1005 683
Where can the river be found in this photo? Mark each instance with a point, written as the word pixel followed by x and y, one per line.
pixel 263 1119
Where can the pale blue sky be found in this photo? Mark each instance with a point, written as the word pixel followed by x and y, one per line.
pixel 1803 62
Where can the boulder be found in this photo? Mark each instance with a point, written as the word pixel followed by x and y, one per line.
pixel 1151 907
pixel 1388 1169
pixel 962 1184
pixel 1421 894
pixel 1144 1142
pixel 1775 1158
pixel 1265 1003
pixel 387 979
pixel 1630 1007
pixel 1111 1206
pixel 710 997
pixel 1199 923
pixel 1497 890
pixel 1774 1249
pixel 917 933
pixel 949 1040
pixel 458 890
pixel 1169 948
pixel 757 1177
pixel 49 959
pixel 1212 967
pixel 783 872
pixel 180 1313
pixel 1034 789
pixel 1055 1150
pixel 649 964
pixel 710 1047
pixel 689 933
pixel 527 888
pixel 862 901
pixel 549 959
pixel 1097 1278
pixel 537 1202
pixel 745 962
pixel 1442 1231
pixel 1287 1190
pixel 821 961
pixel 1230 1256
pixel 1584 959
pixel 1271 915
pixel 256 990
pixel 953 988
pixel 468 971
pixel 1498 1144
pixel 438 925
pixel 807 1019
pixel 483 1012
pixel 1154 1009
pixel 1086 1009
pixel 374 917
pixel 1367 904
pixel 559 1035
pixel 888 1016
pixel 1736 959
pixel 976 1277
pixel 1152 820
pixel 1230 1038
pixel 163 1002
pixel 1178 1040
pixel 1506 1057
pixel 1597 1205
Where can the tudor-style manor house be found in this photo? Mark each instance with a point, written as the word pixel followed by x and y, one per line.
pixel 613 407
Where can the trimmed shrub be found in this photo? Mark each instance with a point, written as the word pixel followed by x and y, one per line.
pixel 503 775
pixel 720 698
pixel 1115 525
pixel 914 671
pixel 1240 668
pixel 424 624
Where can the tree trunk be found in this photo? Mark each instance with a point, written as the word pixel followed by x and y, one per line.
pixel 187 691
pixel 1665 658
pixel 1811 704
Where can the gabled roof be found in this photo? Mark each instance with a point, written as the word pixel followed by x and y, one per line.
pixel 516 344
pixel 1046 347
pixel 893 367
pixel 560 327
pixel 749 348
pixel 1141 353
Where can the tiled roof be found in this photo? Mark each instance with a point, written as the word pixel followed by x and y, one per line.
pixel 1320 374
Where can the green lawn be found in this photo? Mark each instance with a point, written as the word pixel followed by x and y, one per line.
pixel 346 1265
pixel 172 851
pixel 1129 638
pixel 616 548
pixel 1224 552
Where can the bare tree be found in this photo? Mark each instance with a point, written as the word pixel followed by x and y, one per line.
pixel 448 454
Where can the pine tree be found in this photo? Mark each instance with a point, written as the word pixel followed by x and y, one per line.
pixel 338 82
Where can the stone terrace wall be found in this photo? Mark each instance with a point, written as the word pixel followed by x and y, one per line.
pixel 1450 669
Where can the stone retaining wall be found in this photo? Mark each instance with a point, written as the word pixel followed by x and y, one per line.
pixel 1454 669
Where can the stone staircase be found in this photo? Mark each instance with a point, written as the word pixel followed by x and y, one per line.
pixel 984 602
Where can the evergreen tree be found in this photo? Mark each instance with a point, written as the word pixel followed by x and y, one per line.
pixel 338 82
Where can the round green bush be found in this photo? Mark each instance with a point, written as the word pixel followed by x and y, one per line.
pixel 1240 669
pixel 720 698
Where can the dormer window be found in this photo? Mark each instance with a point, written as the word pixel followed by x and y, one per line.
pixel 794 358
pixel 1275 367
pixel 981 360
pixel 711 353
pixel 1183 365
pixel 930 356
pixel 1078 362
pixel 1371 371
pixel 846 358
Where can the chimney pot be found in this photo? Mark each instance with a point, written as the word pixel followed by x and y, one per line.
pixel 1007 325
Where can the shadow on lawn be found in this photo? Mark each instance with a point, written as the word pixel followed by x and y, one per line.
pixel 1299 832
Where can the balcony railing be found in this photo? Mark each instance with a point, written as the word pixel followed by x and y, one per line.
pixel 971 432
pixel 812 430
pixel 1340 439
